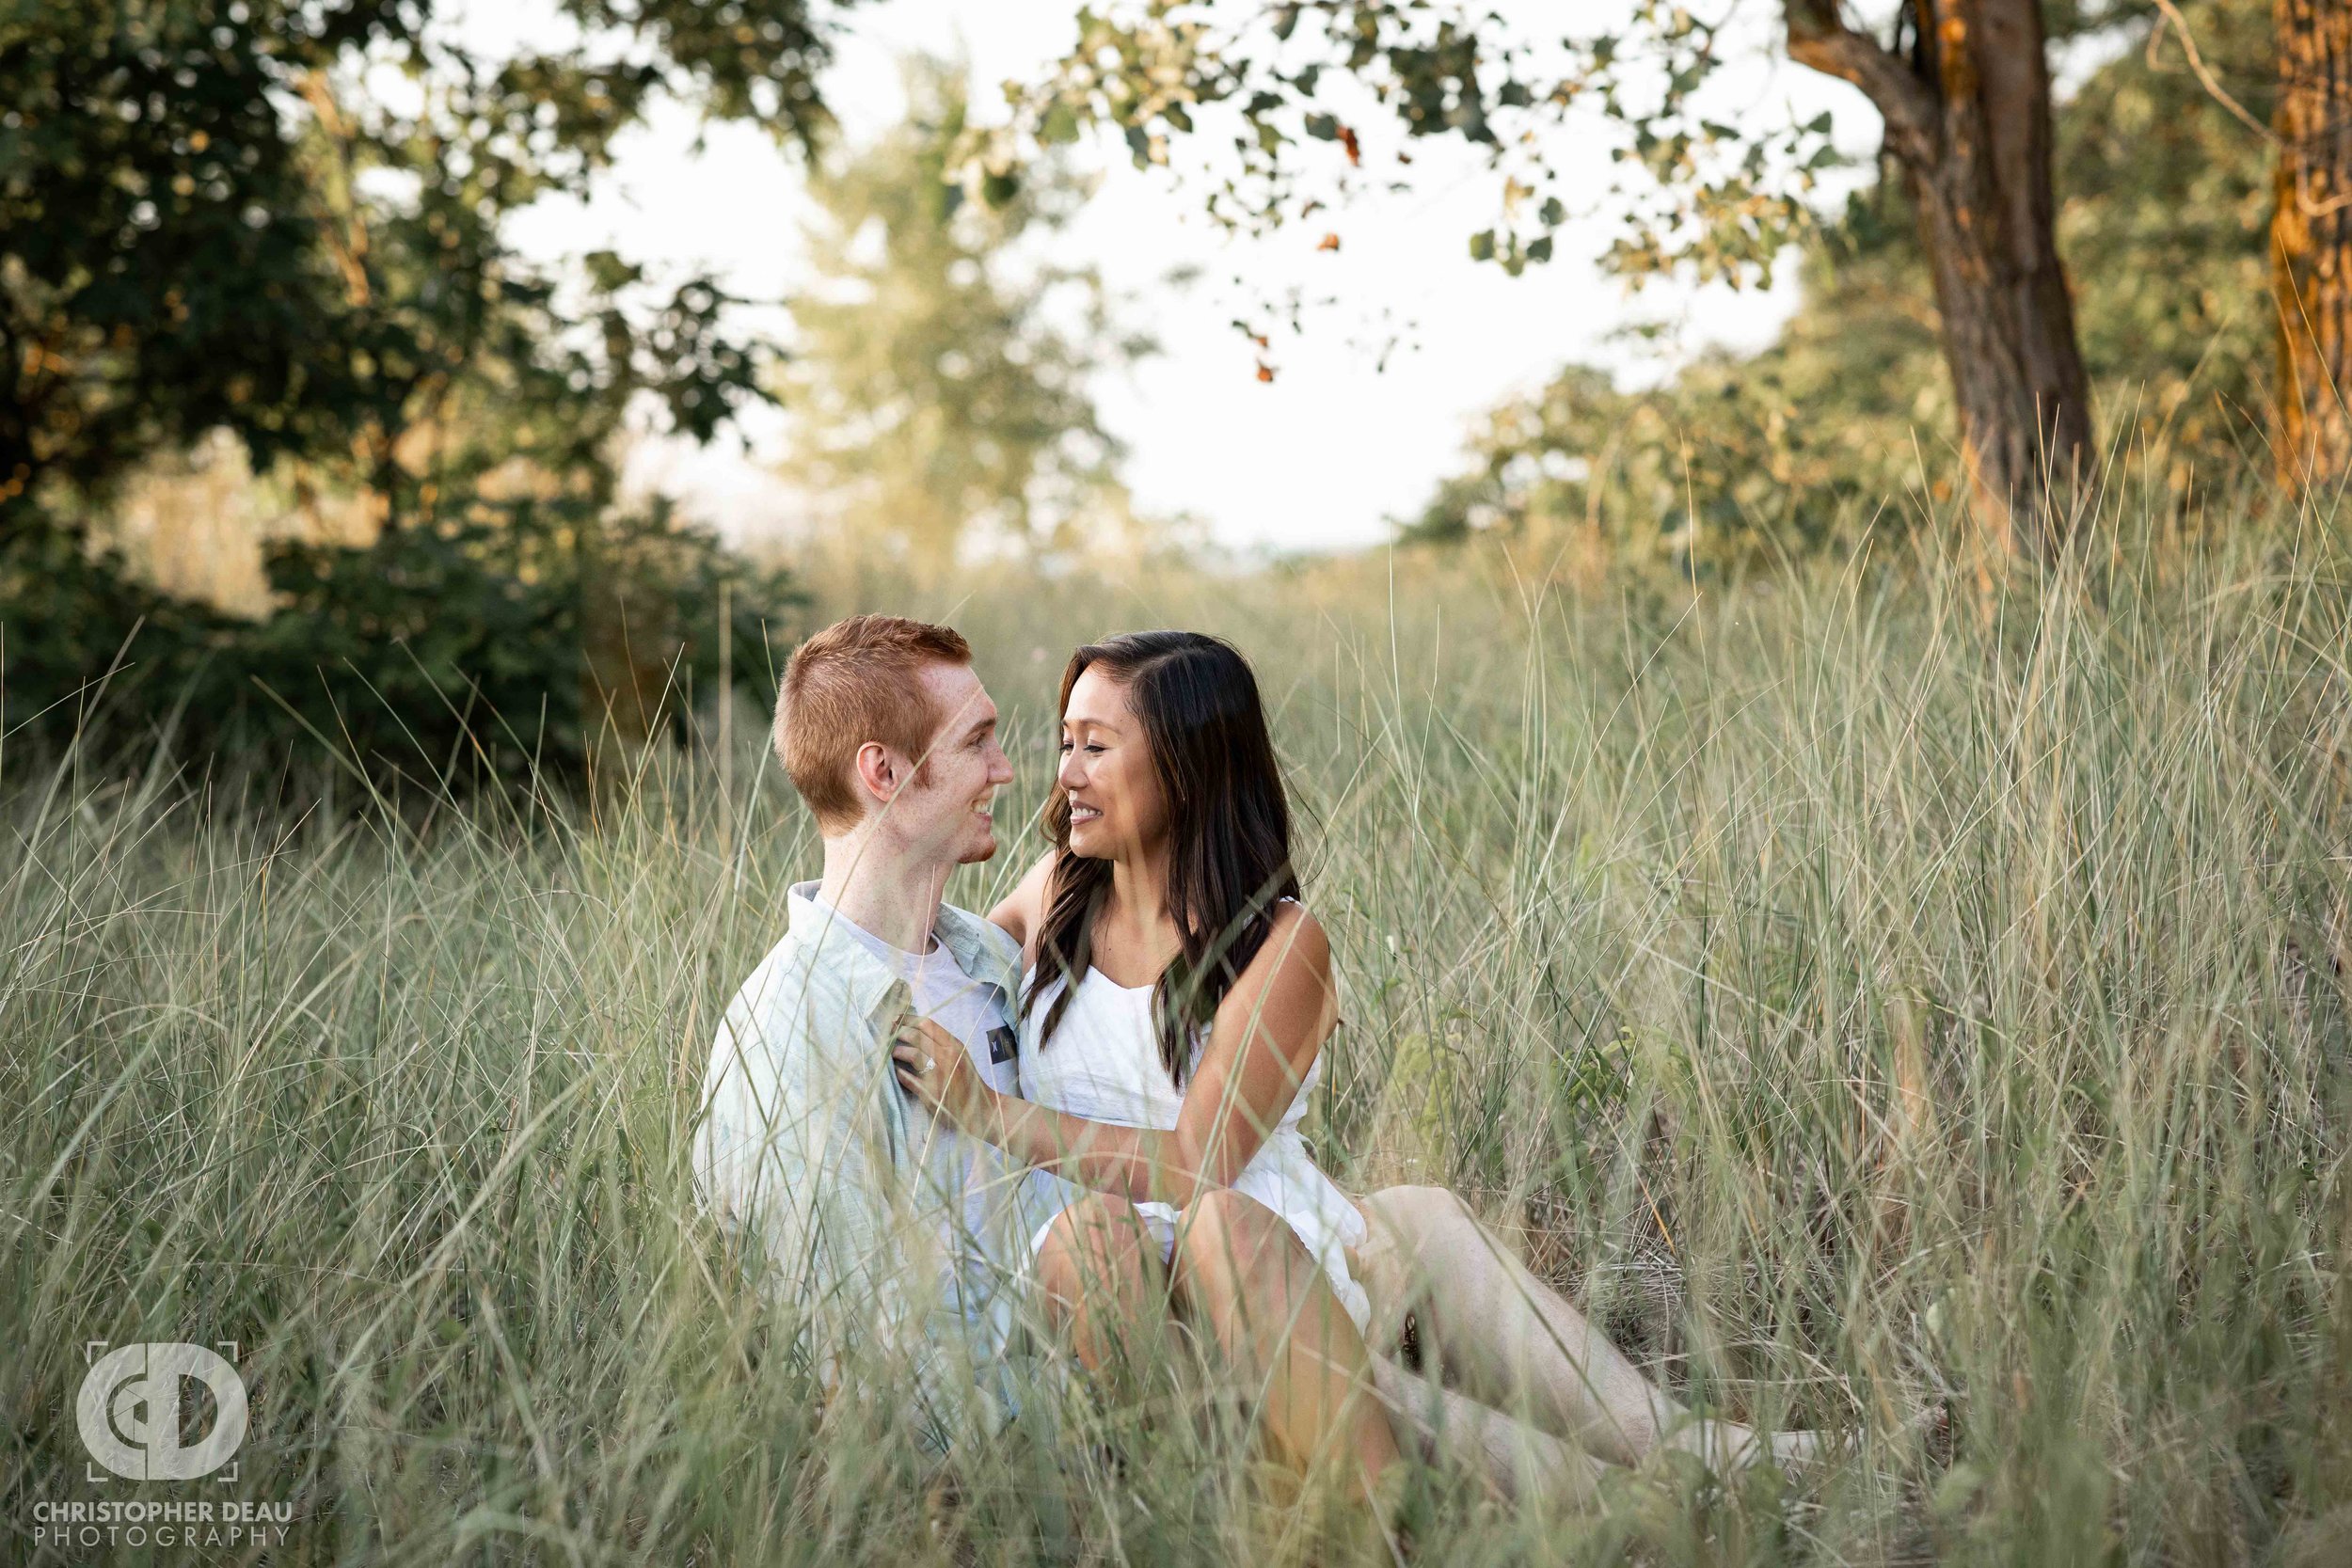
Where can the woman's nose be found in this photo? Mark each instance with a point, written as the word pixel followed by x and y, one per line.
pixel 1070 775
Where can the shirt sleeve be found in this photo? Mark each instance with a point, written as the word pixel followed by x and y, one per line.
pixel 800 1150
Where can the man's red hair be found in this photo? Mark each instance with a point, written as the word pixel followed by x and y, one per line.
pixel 855 681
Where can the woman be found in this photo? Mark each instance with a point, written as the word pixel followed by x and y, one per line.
pixel 1176 1002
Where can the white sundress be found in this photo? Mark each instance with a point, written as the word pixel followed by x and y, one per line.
pixel 1103 1064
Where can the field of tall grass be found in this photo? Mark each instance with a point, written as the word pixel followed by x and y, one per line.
pixel 1863 989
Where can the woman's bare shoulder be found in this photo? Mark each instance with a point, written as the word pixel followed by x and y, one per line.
pixel 1285 993
pixel 1295 940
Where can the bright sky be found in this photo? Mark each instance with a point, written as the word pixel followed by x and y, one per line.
pixel 1322 456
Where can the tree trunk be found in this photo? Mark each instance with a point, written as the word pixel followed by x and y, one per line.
pixel 1968 121
pixel 2311 240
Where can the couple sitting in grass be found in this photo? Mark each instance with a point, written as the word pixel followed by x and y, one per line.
pixel 1085 1107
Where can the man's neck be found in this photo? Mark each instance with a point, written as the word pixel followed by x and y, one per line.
pixel 883 890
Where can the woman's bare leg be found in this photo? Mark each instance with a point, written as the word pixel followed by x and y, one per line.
pixel 1100 1275
pixel 1523 1462
pixel 1242 1271
pixel 1508 1339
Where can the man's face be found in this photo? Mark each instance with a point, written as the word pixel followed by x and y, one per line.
pixel 943 813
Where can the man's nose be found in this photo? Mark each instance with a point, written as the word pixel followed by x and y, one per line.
pixel 1000 766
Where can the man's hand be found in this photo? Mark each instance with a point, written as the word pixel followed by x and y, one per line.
pixel 935 1068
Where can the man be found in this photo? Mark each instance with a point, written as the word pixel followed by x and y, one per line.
pixel 896 1230
pixel 903 1234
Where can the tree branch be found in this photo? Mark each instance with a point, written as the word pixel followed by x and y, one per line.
pixel 1819 37
pixel 2171 13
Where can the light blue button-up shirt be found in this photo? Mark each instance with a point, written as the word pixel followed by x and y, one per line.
pixel 807 1150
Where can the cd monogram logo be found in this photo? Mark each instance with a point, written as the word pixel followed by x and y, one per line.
pixel 130 1410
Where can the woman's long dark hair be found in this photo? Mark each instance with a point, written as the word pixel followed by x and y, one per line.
pixel 1228 854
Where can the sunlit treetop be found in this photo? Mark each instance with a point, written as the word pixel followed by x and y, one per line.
pixel 1709 175
pixel 1322 100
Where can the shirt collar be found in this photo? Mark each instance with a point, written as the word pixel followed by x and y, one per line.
pixel 981 949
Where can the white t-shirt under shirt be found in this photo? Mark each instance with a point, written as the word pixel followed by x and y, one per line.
pixel 979 1231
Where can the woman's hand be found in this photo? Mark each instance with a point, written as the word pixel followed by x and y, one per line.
pixel 935 1068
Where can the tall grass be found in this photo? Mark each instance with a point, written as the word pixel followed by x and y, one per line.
pixel 1862 992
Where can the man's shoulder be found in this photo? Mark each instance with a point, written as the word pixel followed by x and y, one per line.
pixel 976 936
pixel 807 983
pixel 791 958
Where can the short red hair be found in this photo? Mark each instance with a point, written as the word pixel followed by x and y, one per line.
pixel 855 681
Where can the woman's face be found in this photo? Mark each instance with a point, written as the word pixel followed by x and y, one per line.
pixel 1117 808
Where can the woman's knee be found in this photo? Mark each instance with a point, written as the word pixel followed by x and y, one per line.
pixel 1230 1243
pixel 1413 1243
pixel 1093 1248
pixel 1411 1232
pixel 1414 1210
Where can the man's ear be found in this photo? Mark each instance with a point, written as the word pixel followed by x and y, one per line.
pixel 877 776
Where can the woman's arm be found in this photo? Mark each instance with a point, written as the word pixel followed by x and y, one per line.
pixel 1262 1044
pixel 1021 911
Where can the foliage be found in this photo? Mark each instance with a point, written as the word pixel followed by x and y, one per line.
pixel 1703 184
pixel 2168 199
pixel 1721 198
pixel 939 383
pixel 1859 993
pixel 287 220
pixel 439 659
pixel 220 214
pixel 1845 423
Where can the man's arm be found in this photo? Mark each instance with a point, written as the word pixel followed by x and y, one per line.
pixel 798 1127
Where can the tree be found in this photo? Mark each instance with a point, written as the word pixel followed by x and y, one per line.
pixel 939 383
pixel 1968 121
pixel 1964 88
pixel 206 219
pixel 1738 461
pixel 212 214
pixel 2311 239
